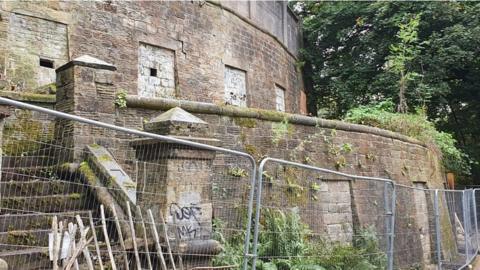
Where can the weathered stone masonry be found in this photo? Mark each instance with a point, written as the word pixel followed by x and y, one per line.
pixel 204 38
pixel 190 47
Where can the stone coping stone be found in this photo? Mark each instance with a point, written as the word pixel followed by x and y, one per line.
pixel 29 97
pixel 134 101
pixel 113 171
pixel 87 61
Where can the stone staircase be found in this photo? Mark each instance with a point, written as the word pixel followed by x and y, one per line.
pixel 31 194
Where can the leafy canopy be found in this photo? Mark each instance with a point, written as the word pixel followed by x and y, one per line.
pixel 354 53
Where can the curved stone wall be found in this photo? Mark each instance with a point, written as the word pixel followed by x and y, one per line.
pixel 191 43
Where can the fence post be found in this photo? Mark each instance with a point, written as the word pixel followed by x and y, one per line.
pixel 474 198
pixel 257 212
pixel 246 244
pixel 437 229
pixel 465 225
pixel 389 222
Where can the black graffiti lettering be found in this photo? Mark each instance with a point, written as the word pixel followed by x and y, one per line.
pixel 188 231
pixel 186 212
pixel 189 215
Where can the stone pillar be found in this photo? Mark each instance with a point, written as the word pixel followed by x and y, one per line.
pixel 4 113
pixel 176 180
pixel 84 88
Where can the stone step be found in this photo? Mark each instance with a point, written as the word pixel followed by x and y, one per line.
pixel 14 239
pixel 27 161
pixel 27 258
pixel 32 221
pixel 39 187
pixel 47 204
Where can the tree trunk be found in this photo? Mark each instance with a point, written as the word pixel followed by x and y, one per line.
pixel 402 101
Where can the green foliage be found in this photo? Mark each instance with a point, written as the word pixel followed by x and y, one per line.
pixel 237 172
pixel 349 54
pixel 401 55
pixel 414 125
pixel 121 99
pixel 232 252
pixel 284 235
pixel 286 243
pixel 280 130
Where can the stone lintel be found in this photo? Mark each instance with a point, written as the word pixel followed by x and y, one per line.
pixel 87 61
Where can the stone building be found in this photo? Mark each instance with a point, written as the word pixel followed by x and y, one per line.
pixel 234 65
pixel 238 53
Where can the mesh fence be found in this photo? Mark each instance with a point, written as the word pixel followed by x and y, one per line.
pixel 415 231
pixel 74 192
pixel 306 218
pixel 197 197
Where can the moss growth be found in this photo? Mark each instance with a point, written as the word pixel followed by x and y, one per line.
pixel 75 196
pixel 245 122
pixel 243 137
pixel 88 173
pixel 270 114
pixel 109 182
pixel 21 238
pixel 95 146
pixel 20 134
pixel 104 157
pixel 130 185
pixel 251 149
pixel 50 88
pixel 28 96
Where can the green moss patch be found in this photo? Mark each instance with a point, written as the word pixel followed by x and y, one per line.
pixel 245 122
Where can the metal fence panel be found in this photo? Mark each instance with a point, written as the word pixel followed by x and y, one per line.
pixel 200 196
pixel 310 216
pixel 415 231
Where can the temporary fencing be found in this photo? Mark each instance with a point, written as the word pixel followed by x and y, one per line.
pixel 163 202
pixel 198 193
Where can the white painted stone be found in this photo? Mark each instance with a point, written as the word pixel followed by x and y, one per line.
pixel 91 60
pixel 235 87
pixel 279 98
pixel 177 114
pixel 190 216
pixel 163 83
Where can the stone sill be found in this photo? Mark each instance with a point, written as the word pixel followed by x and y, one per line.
pixel 164 104
pixel 29 97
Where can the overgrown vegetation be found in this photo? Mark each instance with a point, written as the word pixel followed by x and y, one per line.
pixel 121 99
pixel 285 243
pixel 415 125
pixel 356 53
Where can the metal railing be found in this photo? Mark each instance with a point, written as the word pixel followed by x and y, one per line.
pixel 218 209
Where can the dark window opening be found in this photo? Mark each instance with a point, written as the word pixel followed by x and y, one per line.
pixel 153 72
pixel 46 63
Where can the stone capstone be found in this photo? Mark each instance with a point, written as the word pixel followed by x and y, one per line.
pixel 178 122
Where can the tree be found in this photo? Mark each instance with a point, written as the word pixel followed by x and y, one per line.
pixel 402 54
pixel 348 46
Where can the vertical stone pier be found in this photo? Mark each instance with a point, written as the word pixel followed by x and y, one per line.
pixel 84 88
pixel 4 113
pixel 175 182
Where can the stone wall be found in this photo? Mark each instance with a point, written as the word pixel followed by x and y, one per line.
pixel 34 47
pixel 340 207
pixel 204 38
